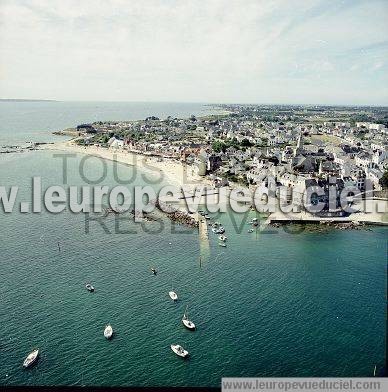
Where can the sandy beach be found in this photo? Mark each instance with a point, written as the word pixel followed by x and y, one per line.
pixel 171 171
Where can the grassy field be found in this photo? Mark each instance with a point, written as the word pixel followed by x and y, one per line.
pixel 334 140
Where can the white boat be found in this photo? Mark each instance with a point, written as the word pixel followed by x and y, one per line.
pixel 89 287
pixel 31 359
pixel 173 295
pixel 186 322
pixel 108 332
pixel 222 237
pixel 179 350
pixel 222 244
pixel 250 231
pixel 207 216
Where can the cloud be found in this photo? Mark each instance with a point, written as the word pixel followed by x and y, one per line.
pixel 213 51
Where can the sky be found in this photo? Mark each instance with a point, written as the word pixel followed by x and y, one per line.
pixel 211 51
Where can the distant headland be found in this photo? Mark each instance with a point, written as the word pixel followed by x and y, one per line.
pixel 26 100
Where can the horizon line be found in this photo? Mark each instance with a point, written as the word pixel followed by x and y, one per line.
pixel 196 102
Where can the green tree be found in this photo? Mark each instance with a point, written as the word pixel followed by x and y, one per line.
pixel 218 146
pixel 246 143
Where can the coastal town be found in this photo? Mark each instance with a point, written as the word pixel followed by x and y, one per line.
pixel 247 145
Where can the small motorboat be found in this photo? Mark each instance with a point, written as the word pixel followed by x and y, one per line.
pixel 223 238
pixel 250 231
pixel 173 295
pixel 89 287
pixel 186 322
pixel 154 271
pixel 214 230
pixel 222 244
pixel 31 359
pixel 108 332
pixel 207 216
pixel 179 350
pixel 220 230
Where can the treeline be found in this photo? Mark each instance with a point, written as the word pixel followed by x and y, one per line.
pixel 222 146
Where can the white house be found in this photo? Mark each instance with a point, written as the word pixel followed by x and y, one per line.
pixel 113 142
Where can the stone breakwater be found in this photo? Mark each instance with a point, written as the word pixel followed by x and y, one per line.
pixel 176 215
pixel 323 226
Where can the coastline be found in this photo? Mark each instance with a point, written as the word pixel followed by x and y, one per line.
pixel 175 173
pixel 171 171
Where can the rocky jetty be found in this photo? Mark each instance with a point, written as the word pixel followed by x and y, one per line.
pixel 324 226
pixel 176 215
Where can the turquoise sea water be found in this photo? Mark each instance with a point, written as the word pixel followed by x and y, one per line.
pixel 270 304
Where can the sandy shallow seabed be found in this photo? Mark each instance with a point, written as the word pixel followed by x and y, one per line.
pixel 167 171
pixel 171 171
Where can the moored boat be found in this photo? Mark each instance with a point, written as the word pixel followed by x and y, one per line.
pixel 89 287
pixel 108 332
pixel 179 350
pixel 186 322
pixel 173 295
pixel 223 238
pixel 220 230
pixel 222 244
pixel 31 359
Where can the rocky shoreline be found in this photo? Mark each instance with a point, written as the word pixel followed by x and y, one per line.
pixel 176 215
pixel 325 226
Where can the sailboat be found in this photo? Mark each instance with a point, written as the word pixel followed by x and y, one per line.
pixel 173 295
pixel 186 322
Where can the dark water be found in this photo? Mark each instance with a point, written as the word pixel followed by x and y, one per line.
pixel 270 304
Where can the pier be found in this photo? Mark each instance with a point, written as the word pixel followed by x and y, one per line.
pixel 202 228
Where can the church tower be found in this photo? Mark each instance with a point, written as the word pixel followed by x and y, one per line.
pixel 299 144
